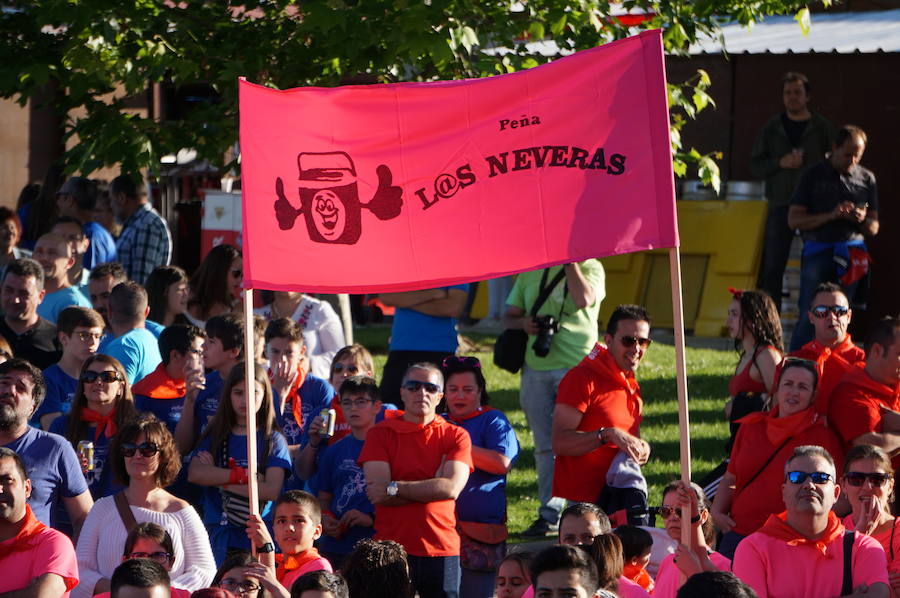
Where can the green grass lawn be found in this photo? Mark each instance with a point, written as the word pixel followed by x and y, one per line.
pixel 708 373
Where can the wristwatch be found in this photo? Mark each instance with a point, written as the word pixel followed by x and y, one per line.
pixel 600 435
pixel 392 489
pixel 265 548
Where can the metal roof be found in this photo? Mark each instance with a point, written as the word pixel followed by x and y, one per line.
pixel 841 32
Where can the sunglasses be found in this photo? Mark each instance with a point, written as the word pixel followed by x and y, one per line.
pixel 858 478
pixel 89 377
pixel 147 449
pixel 340 367
pixel 159 557
pixel 822 311
pixel 629 341
pixel 665 511
pixel 818 477
pixel 453 361
pixel 415 385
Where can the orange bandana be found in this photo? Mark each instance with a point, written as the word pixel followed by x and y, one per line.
pixel 22 541
pixel 291 562
pixel 777 528
pixel 106 424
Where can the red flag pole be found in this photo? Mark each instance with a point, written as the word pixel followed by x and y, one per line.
pixel 250 393
pixel 684 434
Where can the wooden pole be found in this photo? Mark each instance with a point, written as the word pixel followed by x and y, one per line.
pixel 346 317
pixel 250 393
pixel 684 434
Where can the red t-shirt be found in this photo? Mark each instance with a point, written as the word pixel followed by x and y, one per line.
pixel 416 452
pixel 833 364
pixel 752 448
pixel 608 398
pixel 855 405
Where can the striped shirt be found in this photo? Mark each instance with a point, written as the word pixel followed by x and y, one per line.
pixel 144 244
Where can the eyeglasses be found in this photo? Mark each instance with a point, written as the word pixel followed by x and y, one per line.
pixel 235 587
pixel 629 341
pixel 359 403
pixel 415 385
pixel 822 311
pixel 340 367
pixel 147 449
pixel 818 477
pixel 85 336
pixel 858 478
pixel 666 511
pixel 453 361
pixel 89 377
pixel 160 557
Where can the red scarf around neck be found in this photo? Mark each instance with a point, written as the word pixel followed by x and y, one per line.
pixel 106 424
pixel 22 541
pixel 291 562
pixel 777 528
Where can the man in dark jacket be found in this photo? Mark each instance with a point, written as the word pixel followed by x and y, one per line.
pixel 789 142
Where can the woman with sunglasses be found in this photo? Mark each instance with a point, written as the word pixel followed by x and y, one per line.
pixel 481 506
pixel 322 330
pixel 687 561
pixel 143 456
pixel 102 405
pixel 216 285
pixel 868 483
pixel 750 489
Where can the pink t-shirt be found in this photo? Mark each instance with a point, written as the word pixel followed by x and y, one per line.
pixel 668 579
pixel 52 552
pixel 175 593
pixel 773 568
pixel 627 588
pixel 319 564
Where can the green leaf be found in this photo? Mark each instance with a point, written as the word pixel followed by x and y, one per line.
pixel 536 31
pixel 705 81
pixel 468 38
pixel 709 173
pixel 679 167
pixel 702 99
pixel 559 25
pixel 802 18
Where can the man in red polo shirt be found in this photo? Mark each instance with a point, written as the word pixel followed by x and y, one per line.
pixel 864 405
pixel 415 468
pixel 598 414
pixel 832 349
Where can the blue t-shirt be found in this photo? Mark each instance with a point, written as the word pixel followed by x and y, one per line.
pixel 207 401
pixel 102 248
pixel 138 352
pixel 155 327
pixel 415 331
pixel 168 411
pixel 57 301
pixel 341 476
pixel 61 389
pixel 222 534
pixel 53 468
pixel 100 480
pixel 315 395
pixel 483 499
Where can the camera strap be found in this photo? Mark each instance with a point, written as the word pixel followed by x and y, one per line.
pixel 546 289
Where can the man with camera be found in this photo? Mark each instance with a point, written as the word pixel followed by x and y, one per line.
pixel 596 424
pixel 562 331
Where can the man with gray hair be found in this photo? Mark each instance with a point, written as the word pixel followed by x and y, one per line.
pixel 145 242
pixel 51 462
pixel 801 552
pixel 30 336
pixel 136 348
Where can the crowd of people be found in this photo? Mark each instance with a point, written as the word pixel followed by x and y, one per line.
pixel 124 402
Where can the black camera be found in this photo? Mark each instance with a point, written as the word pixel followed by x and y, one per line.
pixel 547 327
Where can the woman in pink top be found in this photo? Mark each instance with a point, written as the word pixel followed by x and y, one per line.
pixel 869 484
pixel 700 556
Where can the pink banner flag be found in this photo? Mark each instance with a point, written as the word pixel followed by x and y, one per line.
pixel 413 185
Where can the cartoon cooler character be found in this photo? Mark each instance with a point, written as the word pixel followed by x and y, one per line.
pixel 329 198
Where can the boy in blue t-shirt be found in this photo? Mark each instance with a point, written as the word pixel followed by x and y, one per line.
pixel 79 330
pixel 347 514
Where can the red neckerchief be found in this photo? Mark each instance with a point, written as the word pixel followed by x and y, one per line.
pixel 601 361
pixel 22 540
pixel 858 376
pixel 779 429
pixel 638 575
pixel 106 424
pixel 159 385
pixel 461 418
pixel 291 562
pixel 776 527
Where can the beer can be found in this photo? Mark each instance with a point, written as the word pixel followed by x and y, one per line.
pixel 329 417
pixel 86 454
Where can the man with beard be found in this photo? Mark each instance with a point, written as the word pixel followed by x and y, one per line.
pixel 35 560
pixel 55 469
pixel 30 336
pixel 801 552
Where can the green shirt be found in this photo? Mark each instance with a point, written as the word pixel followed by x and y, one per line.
pixel 578 327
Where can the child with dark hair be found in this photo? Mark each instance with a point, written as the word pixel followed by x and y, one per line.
pixel 377 569
pixel 320 584
pixel 636 546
